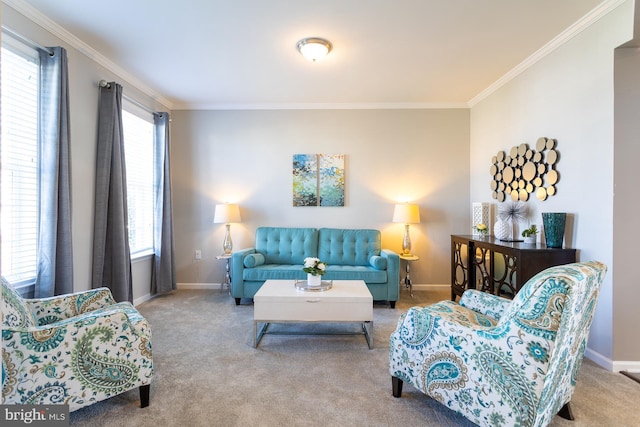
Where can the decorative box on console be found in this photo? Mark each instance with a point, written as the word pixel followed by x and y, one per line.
pixel 480 214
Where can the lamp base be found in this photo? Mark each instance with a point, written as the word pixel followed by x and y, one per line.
pixel 227 245
pixel 406 241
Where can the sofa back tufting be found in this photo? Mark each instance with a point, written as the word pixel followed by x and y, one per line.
pixel 281 245
pixel 338 246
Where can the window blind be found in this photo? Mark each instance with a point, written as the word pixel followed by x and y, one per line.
pixel 19 158
pixel 139 154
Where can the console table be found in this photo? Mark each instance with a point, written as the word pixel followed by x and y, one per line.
pixel 501 268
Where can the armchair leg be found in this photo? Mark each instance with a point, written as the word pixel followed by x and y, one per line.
pixel 144 395
pixel 566 412
pixel 392 304
pixel 396 385
pixel 237 301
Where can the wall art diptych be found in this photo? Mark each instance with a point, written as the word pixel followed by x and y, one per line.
pixel 318 179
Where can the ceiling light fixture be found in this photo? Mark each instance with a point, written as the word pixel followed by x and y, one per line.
pixel 314 48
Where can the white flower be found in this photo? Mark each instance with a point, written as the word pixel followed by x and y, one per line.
pixel 314 266
pixel 310 262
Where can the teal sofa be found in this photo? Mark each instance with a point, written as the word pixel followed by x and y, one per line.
pixel 350 254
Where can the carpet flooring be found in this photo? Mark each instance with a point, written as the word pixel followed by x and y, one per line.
pixel 208 374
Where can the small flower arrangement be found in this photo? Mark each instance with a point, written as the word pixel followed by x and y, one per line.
pixel 481 229
pixel 314 266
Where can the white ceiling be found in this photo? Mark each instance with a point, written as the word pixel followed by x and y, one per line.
pixel 211 54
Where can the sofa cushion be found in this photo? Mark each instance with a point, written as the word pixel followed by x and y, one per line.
pixel 281 245
pixel 274 272
pixel 355 272
pixel 339 246
pixel 253 260
pixel 378 262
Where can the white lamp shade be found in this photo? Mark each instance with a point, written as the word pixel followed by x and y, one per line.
pixel 406 213
pixel 227 213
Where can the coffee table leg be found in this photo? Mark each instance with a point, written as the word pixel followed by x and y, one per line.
pixel 368 333
pixel 257 336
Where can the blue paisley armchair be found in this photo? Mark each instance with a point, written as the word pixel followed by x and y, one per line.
pixel 75 349
pixel 497 361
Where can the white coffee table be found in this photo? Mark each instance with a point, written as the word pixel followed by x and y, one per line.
pixel 279 301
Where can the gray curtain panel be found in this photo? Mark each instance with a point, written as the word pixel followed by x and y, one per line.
pixel 163 276
pixel 55 255
pixel 111 254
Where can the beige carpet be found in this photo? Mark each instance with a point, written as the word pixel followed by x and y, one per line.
pixel 208 374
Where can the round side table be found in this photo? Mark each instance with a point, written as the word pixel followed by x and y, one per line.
pixel 227 275
pixel 408 259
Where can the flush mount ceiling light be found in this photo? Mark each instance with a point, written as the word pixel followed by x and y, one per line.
pixel 314 48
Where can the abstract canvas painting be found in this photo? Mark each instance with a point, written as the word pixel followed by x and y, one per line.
pixel 318 180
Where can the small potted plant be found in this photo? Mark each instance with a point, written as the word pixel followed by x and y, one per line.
pixel 314 269
pixel 530 234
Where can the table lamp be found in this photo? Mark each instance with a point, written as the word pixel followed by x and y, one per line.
pixel 406 214
pixel 227 213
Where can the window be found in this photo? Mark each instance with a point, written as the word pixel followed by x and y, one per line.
pixel 19 161
pixel 138 130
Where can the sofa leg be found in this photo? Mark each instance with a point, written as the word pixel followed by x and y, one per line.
pixel 144 395
pixel 566 412
pixel 392 304
pixel 237 301
pixel 396 386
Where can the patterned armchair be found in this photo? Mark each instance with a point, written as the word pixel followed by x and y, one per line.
pixel 75 349
pixel 501 362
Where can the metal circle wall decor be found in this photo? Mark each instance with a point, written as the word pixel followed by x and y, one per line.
pixel 525 171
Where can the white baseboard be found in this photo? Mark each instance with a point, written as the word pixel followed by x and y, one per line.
pixel 628 365
pixel 611 365
pixel 431 287
pixel 599 359
pixel 140 300
pixel 147 297
pixel 198 285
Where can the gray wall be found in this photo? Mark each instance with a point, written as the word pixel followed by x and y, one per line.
pixel 626 204
pixel 246 157
pixel 568 95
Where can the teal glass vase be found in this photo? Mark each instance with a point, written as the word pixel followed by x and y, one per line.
pixel 553 223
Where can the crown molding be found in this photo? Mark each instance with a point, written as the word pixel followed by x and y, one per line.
pixel 325 106
pixel 595 15
pixel 54 28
